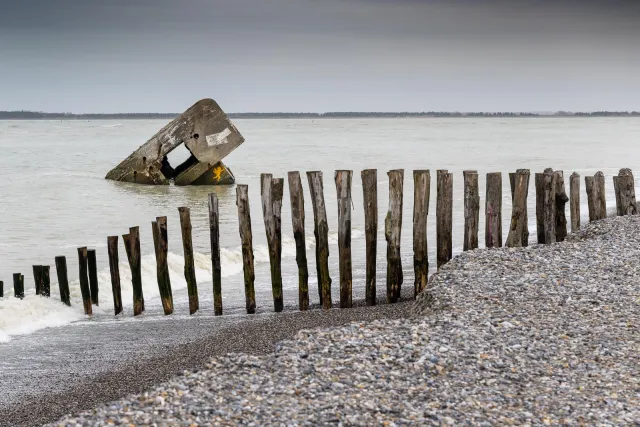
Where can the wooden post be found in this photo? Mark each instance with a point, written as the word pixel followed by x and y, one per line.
pixel 512 184
pixel 598 180
pixel 321 232
pixel 343 180
pixel 1 289
pixel 132 245
pixel 549 207
pixel 616 192
pixel 271 191
pixel 561 200
pixel 114 268
pixel 93 276
pixel 421 194
pixel 244 220
pixel 471 210
pixel 370 198
pixel 214 237
pixel 84 281
pixel 46 281
pixel 519 230
pixel 444 217
pixel 161 245
pixel 588 185
pixel 626 193
pixel 63 280
pixel 189 263
pixel 594 186
pixel 574 202
pixel 297 219
pixel 539 183
pixel 37 278
pixel 393 233
pixel 18 285
pixel 493 211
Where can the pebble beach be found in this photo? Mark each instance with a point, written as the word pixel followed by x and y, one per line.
pixel 543 335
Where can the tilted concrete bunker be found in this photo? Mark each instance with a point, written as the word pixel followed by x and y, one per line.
pixel 208 134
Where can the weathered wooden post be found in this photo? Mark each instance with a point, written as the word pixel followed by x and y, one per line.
pixel 189 263
pixel 594 186
pixel 493 211
pixel 601 201
pixel 539 183
pixel 84 280
pixel 625 193
pixel 244 220
pixel 393 232
pixel 93 275
pixel 343 191
pixel 63 280
pixel 18 285
pixel 1 289
pixel 519 230
pixel 421 194
pixel 549 207
pixel 561 200
pixel 471 210
pixel 132 246
pixel 574 201
pixel 321 232
pixel 444 217
pixel 616 192
pixel 46 281
pixel 512 184
pixel 214 237
pixel 297 219
pixel 271 192
pixel 161 245
pixel 114 269
pixel 37 278
pixel 370 199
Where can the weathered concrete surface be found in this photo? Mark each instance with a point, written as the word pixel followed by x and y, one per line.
pixel 206 132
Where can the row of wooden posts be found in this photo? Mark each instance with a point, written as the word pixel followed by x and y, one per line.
pixel 551 227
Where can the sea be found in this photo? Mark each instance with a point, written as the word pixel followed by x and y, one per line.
pixel 54 198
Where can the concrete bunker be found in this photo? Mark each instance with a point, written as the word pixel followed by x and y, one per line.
pixel 207 135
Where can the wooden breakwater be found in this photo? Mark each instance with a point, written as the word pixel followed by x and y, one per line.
pixel 551 226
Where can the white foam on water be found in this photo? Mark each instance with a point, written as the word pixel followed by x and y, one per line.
pixel 20 317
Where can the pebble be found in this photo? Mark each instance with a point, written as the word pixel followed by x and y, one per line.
pixel 542 335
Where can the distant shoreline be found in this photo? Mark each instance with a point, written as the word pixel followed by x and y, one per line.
pixel 32 115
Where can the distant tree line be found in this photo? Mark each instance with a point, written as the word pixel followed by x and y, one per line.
pixel 34 115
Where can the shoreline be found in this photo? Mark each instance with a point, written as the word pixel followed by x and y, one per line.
pixel 125 358
pixel 540 335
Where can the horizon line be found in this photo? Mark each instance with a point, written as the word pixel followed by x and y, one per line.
pixel 319 114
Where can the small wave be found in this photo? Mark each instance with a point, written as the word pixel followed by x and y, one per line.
pixel 115 125
pixel 19 317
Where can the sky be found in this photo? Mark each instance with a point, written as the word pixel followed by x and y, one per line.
pixel 94 56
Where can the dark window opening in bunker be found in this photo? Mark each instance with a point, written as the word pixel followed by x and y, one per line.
pixel 177 161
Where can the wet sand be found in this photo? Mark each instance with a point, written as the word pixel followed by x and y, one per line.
pixel 69 369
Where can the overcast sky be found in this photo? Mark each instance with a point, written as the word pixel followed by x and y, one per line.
pixel 319 55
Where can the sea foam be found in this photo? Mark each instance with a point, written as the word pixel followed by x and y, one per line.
pixel 20 317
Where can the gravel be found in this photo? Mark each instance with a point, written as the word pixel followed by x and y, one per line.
pixel 542 335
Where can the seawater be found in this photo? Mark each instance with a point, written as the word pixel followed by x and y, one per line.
pixel 53 196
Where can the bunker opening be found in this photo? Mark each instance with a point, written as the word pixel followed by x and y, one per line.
pixel 177 161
